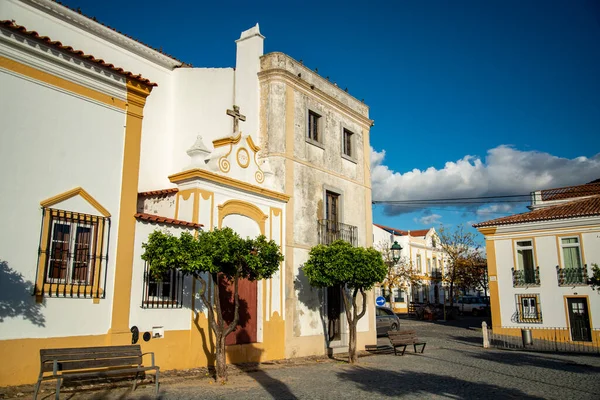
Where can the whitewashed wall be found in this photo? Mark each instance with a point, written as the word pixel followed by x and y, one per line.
pixel 54 141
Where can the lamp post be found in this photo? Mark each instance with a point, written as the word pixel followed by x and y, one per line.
pixel 396 249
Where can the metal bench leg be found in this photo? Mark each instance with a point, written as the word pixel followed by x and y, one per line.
pixel 423 348
pixel 156 379
pixel 37 388
pixel 135 380
pixel 403 350
pixel 57 395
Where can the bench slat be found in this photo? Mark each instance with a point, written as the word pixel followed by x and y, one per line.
pixel 90 364
pixel 89 356
pixel 99 349
pixel 104 373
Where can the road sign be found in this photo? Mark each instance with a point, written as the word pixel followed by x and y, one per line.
pixel 380 301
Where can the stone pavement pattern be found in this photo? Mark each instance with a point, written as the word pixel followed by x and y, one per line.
pixel 454 365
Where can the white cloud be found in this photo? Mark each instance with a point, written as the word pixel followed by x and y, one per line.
pixel 504 171
pixel 430 219
pixel 495 209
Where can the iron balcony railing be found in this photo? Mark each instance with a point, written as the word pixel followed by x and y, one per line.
pixel 330 231
pixel 572 276
pixel 527 277
pixel 436 274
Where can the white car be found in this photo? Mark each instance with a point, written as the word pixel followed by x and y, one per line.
pixel 471 304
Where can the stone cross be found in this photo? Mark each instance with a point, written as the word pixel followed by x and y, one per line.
pixel 237 117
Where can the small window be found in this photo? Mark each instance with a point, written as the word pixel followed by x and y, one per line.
pixel 528 308
pixel 314 132
pixel 525 262
pixel 165 291
pixel 571 253
pixel 73 250
pixel 429 265
pixel 419 263
pixel 347 146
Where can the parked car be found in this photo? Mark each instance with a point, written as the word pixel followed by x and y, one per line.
pixel 386 320
pixel 472 304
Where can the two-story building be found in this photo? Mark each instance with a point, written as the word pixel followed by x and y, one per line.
pixel 539 263
pixel 97 157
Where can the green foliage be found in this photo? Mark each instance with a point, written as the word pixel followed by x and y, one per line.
pixel 342 264
pixel 218 251
pixel 595 279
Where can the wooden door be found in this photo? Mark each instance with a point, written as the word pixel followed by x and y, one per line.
pixel 579 319
pixel 334 310
pixel 247 325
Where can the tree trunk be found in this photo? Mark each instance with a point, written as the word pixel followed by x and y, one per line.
pixel 221 363
pixel 352 356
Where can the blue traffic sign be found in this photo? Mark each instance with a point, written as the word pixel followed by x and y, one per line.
pixel 380 301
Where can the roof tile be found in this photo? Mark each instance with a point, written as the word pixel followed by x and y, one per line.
pixel 78 53
pixel 164 220
pixel 159 192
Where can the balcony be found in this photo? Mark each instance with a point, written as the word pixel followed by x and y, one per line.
pixel 527 277
pixel 330 231
pixel 436 274
pixel 572 276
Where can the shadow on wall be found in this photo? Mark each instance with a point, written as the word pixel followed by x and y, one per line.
pixel 313 299
pixel 386 383
pixel 16 297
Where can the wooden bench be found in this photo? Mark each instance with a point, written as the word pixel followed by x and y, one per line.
pixel 403 339
pixel 92 362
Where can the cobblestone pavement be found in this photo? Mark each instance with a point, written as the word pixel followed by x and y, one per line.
pixel 454 365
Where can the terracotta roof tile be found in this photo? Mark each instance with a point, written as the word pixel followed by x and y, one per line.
pixel 578 208
pixel 78 53
pixel 158 192
pixel 415 233
pixel 569 192
pixel 164 220
pixel 78 11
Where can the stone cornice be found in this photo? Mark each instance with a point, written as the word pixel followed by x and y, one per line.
pixel 81 21
pixel 288 77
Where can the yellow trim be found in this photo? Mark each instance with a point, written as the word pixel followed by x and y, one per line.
pixel 136 99
pixel 490 249
pixel 50 79
pixel 545 231
pixel 487 230
pixel 237 157
pixel 289 307
pixel 209 195
pixel 533 248
pixel 43 254
pixel 251 144
pixel 78 191
pixel 230 140
pixel 231 182
pixel 242 208
pixel 568 320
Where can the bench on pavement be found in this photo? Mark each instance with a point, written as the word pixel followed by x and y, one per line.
pixel 403 339
pixel 92 362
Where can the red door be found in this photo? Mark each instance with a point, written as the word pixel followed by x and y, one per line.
pixel 247 327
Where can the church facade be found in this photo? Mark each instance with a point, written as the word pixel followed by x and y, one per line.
pixel 99 157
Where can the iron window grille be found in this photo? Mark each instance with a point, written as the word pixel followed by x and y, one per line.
pixel 72 254
pixel 165 291
pixel 528 309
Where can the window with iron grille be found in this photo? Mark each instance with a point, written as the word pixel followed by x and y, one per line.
pixel 72 254
pixel 313 126
pixel 164 291
pixel 528 308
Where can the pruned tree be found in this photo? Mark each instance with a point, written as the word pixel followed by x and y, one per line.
pixel 214 255
pixel 594 281
pixel 460 248
pixel 355 269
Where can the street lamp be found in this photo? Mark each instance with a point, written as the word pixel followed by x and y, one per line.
pixel 396 249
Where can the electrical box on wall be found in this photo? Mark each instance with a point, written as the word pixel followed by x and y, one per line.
pixel 158 332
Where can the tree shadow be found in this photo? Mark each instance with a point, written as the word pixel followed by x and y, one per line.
pixel 313 299
pixel 476 341
pixel 16 297
pixel 537 360
pixel 394 384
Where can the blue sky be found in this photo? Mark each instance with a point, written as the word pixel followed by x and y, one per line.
pixel 469 98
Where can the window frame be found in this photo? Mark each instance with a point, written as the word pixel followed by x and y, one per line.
pixel 174 300
pixel 531 247
pixel 344 130
pixel 562 253
pixel 419 263
pixel 309 136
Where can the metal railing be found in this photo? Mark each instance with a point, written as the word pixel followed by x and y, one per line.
pixel 551 339
pixel 330 231
pixel 572 276
pixel 164 292
pixel 527 277
pixel 436 274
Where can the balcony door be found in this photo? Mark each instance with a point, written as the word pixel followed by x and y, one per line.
pixel 334 311
pixel 525 261
pixel 332 202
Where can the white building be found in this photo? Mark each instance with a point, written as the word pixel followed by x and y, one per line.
pixel 100 157
pixel 422 254
pixel 539 263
